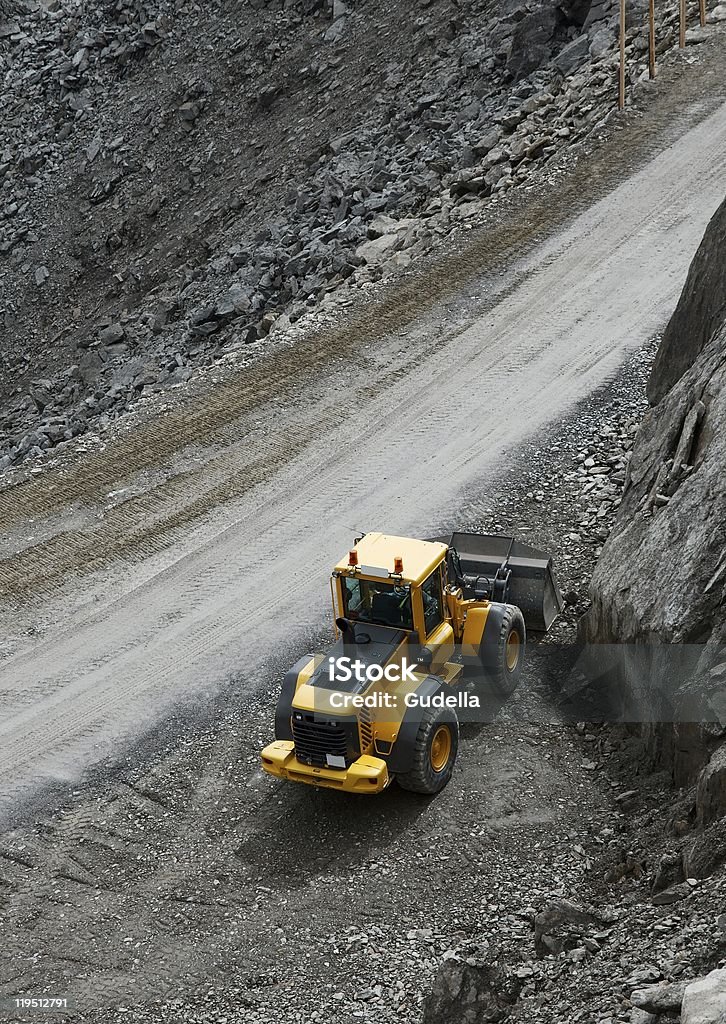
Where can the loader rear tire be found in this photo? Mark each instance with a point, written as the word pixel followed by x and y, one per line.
pixel 434 753
pixel 504 662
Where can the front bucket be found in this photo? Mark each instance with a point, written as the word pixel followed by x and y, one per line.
pixel 532 584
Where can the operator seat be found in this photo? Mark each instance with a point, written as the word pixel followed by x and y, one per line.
pixel 386 608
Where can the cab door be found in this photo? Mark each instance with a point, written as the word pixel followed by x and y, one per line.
pixel 438 634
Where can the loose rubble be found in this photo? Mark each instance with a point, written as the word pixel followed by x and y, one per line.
pixel 157 242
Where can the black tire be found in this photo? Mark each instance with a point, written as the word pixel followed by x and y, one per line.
pixel 424 776
pixel 502 660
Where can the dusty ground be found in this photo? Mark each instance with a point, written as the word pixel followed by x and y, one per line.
pixel 172 576
pixel 180 884
pixel 183 873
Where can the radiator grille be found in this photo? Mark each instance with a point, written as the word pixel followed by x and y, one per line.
pixel 315 739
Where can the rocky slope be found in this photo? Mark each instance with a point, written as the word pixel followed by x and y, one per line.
pixel 660 585
pixel 178 182
pixel 662 573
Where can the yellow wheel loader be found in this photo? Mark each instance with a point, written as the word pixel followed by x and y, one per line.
pixel 414 619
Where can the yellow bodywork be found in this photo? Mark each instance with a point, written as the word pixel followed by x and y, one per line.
pixel 380 550
pixel 366 775
pixel 463 623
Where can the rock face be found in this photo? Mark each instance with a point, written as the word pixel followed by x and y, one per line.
pixel 532 41
pixel 661 578
pixel 700 311
pixel 666 997
pixel 711 789
pixel 703 854
pixel 662 573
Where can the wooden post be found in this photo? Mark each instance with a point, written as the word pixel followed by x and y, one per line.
pixel 651 38
pixel 702 11
pixel 621 89
pixel 682 31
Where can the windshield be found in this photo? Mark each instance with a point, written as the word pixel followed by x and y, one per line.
pixel 388 604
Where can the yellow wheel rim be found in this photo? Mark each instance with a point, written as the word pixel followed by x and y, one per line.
pixel 512 651
pixel 440 748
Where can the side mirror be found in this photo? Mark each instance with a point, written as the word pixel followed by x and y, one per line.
pixel 347 629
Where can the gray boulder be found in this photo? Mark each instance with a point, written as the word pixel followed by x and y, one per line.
pixel 562 925
pixel 377 250
pixel 573 55
pixel 602 40
pixel 599 11
pixel 665 997
pixel 112 334
pixel 532 41
pixel 638 1016
pixel 575 11
pixel 704 1001
pixel 464 994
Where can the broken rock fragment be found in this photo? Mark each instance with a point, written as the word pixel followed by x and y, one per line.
pixel 464 994
pixel 562 925
pixel 112 335
pixel 704 1001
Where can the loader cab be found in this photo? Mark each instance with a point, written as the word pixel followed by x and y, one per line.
pixel 437 631
pixel 399 583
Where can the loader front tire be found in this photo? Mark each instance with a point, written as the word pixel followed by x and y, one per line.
pixel 434 753
pixel 504 662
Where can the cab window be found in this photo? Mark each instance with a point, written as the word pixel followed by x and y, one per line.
pixel 433 601
pixel 383 603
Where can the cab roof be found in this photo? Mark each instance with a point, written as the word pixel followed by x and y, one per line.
pixel 377 551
